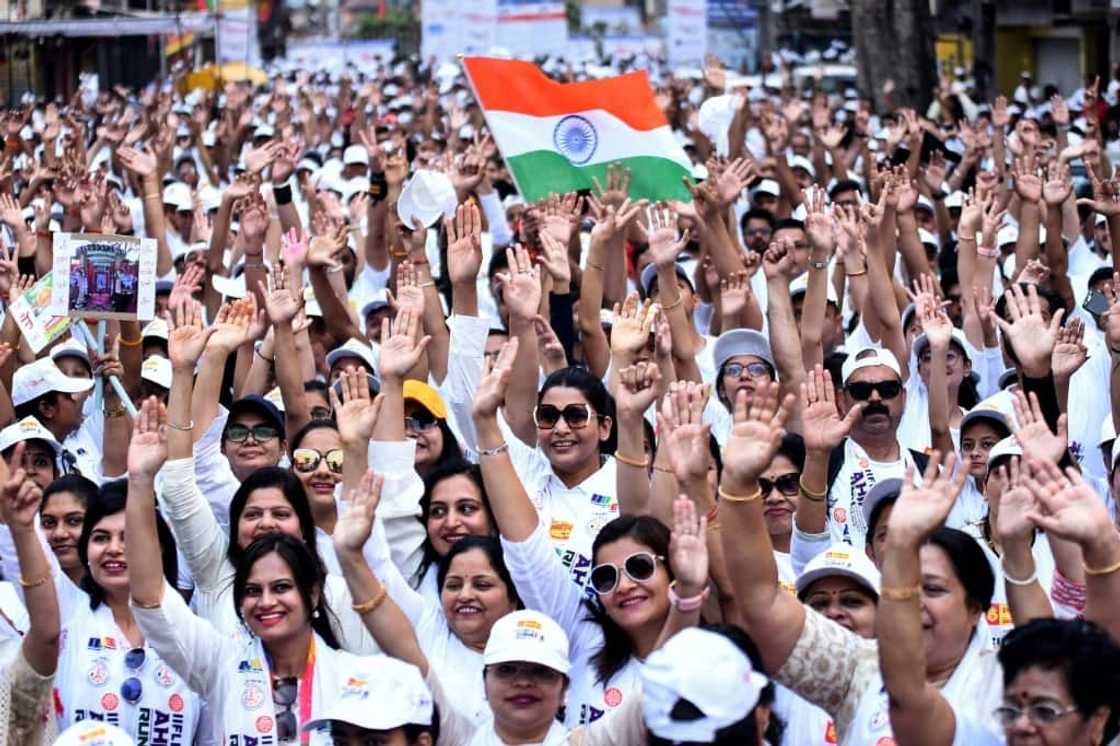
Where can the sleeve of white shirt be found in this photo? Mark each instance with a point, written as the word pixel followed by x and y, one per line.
pixel 212 471
pixel 464 371
pixel 500 231
pixel 541 579
pixel 399 509
pixel 454 728
pixel 65 591
pixel 188 643
pixel 803 547
pixel 196 530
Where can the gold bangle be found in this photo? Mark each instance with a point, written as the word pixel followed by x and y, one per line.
pixel 599 267
pixel 808 494
pixel 139 605
pixel 33 583
pixel 674 304
pixel 665 469
pixel 111 412
pixel 130 342
pixel 1098 571
pixel 149 195
pixel 372 604
pixel 856 274
pixel 900 594
pixel 740 498
pixel 636 463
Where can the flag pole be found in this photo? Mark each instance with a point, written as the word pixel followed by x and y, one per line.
pixel 474 90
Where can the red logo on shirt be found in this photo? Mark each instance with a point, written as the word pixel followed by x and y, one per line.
pixel 840 515
pixel 613 697
pixel 830 732
pixel 886 741
pixel 109 701
pixel 264 724
pixel 175 703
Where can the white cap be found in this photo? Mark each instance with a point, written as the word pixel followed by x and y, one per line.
pixel 156 328
pixel 427 196
pixel 94 733
pixel 767 186
pixel 263 130
pixel 869 357
pixel 800 286
pixel 42 376
pixel 211 198
pixel 528 636
pixel 840 559
pixel 379 694
pixel 926 237
pixel 157 369
pixel 355 155
pixel 924 201
pixel 379 299
pixel 276 397
pixel 954 200
pixel 1009 446
pixel 701 667
pixel 178 195
pixel 1007 234
pixel 353 348
pixel 71 348
pixel 29 428
pixel 800 161
pixel 921 341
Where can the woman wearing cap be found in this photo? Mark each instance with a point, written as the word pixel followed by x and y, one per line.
pixel 425 421
pixel 40 452
pixel 843 681
pixel 281 674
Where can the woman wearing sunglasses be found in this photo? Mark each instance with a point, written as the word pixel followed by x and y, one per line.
pixel 316 461
pixel 425 422
pixel 780 485
pixel 286 671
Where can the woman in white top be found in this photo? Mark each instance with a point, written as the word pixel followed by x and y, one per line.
pixel 60 517
pixel 287 671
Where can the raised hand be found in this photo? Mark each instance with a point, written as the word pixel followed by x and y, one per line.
pixel 20 500
pixel 823 428
pixel 555 259
pixel 356 413
pixel 778 260
pixel 355 524
pixel 522 286
pixel 231 327
pixel 258 159
pixel 818 223
pixel 279 299
pixel 617 188
pixel 401 344
pixel 633 323
pixel 1015 505
pixel 664 243
pixel 324 250
pixel 756 432
pixel 142 162
pixel 637 389
pixel 1031 337
pixel 1065 506
pixel 491 391
pixel 188 336
pixel 1058 185
pixel 733 180
pixel 1106 195
pixel 147 451
pixel 1028 185
pixel 688 548
pixel 549 347
pixel 733 294
pixel 683 432
pixel 922 509
pixel 1032 432
pixel 1070 352
pixel 464 244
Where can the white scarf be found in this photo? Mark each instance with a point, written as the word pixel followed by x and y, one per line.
pixel 487 736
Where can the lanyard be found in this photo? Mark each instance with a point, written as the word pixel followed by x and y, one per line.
pixel 305 685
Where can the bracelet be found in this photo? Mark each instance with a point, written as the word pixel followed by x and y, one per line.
pixel 900 594
pixel 43 234
pixel 372 604
pixel 989 253
pixel 428 284
pixel 262 356
pixel 420 261
pixel 1098 571
pixel 817 497
pixel 181 428
pixel 714 526
pixel 33 583
pixel 117 411
pixel 334 270
pixel 665 469
pixel 636 463
pixel 674 304
pixel 599 267
pixel 130 342
pixel 139 605
pixel 856 274
pixel 1031 580
pixel 692 603
pixel 741 498
pixel 149 195
pixel 493 451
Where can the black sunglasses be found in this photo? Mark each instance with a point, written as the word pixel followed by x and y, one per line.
pixel 576 415
pixel 260 433
pixel 861 390
pixel 638 567
pixel 787 484
pixel 420 422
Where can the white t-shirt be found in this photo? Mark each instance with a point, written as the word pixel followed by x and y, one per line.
pixel 858 474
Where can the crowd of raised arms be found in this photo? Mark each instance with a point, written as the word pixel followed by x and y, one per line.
pixel 825 454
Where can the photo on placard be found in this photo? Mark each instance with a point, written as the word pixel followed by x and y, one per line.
pixel 106 277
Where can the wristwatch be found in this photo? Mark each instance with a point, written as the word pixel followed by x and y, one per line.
pixel 818 263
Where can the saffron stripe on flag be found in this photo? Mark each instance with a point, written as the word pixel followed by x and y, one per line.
pixel 545 172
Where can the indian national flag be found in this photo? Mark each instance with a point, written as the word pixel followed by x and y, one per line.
pixel 555 136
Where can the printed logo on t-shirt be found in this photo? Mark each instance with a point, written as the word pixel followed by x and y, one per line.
pixel 579 567
pixel 612 697
pixel 840 515
pixel 98 673
pixel 164 676
pixel 252 697
pixel 250 666
pixel 605 501
pixel 830 732
pixel 264 724
pixel 175 703
pixel 355 687
pixel 247 740
pixel 109 701
pixel 589 714
pixel 156 726
pixel 560 530
pixel 101 643
pixel 999 614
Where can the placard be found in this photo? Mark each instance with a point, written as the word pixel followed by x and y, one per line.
pixel 106 277
pixel 31 312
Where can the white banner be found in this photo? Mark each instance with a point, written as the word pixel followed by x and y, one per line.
pixel 687 41
pixel 237 37
pixel 478 27
pixel 439 30
pixel 527 28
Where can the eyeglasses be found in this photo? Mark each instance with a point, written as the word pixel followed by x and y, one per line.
pixel 638 567
pixel 284 693
pixel 787 484
pixel 861 390
pixel 260 433
pixel 534 671
pixel 307 460
pixel 1042 713
pixel 320 413
pixel 576 415
pixel 420 423
pixel 754 370
pixel 132 688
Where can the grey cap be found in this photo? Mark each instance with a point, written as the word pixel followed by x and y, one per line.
pixel 742 342
pixel 649 274
pixel 888 489
pixel 991 415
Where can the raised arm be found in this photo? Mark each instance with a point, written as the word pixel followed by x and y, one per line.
pixel 523 297
pixel 939 333
pixel 785 342
pixel 145 165
pixel 146 455
pixel 282 304
pixel 636 392
pixel 1026 597
pixel 822 430
pixel 920 714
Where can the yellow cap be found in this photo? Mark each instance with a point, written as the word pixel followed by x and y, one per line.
pixel 422 393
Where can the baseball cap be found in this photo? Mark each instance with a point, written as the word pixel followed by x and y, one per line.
pixel 528 636
pixel 427 196
pixel 699 667
pixel 71 348
pixel 800 161
pixel 887 489
pixel 257 404
pixel 426 396
pixel 389 695
pixel 649 274
pixel 840 559
pixel 157 369
pixel 1010 447
pixel 742 342
pixel 869 357
pixel 94 733
pixel 156 328
pixel 380 300
pixel 994 416
pixel 29 428
pixel 922 341
pixel 355 155
pixel 178 195
pixel 926 237
pixel 954 200
pixel 800 286
pixel 355 348
pixel 42 376
pixel 263 130
pixel 767 186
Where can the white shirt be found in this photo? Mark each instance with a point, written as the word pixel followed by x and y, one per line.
pixel 857 476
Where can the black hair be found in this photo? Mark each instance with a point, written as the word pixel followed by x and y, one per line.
pixel 292 489
pixel 307 572
pixel 618 648
pixel 307 429
pixel 491 546
pixel 77 485
pixel 592 388
pixel 31 408
pixel 793 448
pixel 452 452
pixel 789 223
pixel 876 514
pixel 109 500
pixel 440 472
pixel 844 185
pixel 756 213
pixel 1085 656
pixel 716 454
pixel 744 732
pixel 316 385
pixel 1052 300
pixel 969 563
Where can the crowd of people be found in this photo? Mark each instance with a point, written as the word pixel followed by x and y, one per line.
pixel 826 454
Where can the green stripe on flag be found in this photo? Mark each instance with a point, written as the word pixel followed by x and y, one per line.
pixel 543 172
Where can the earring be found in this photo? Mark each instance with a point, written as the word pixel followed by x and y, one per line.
pixel 315 614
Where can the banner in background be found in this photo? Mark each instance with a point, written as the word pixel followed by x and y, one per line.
pixel 687 27
pixel 237 33
pixel 334 55
pixel 528 28
pixel 439 29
